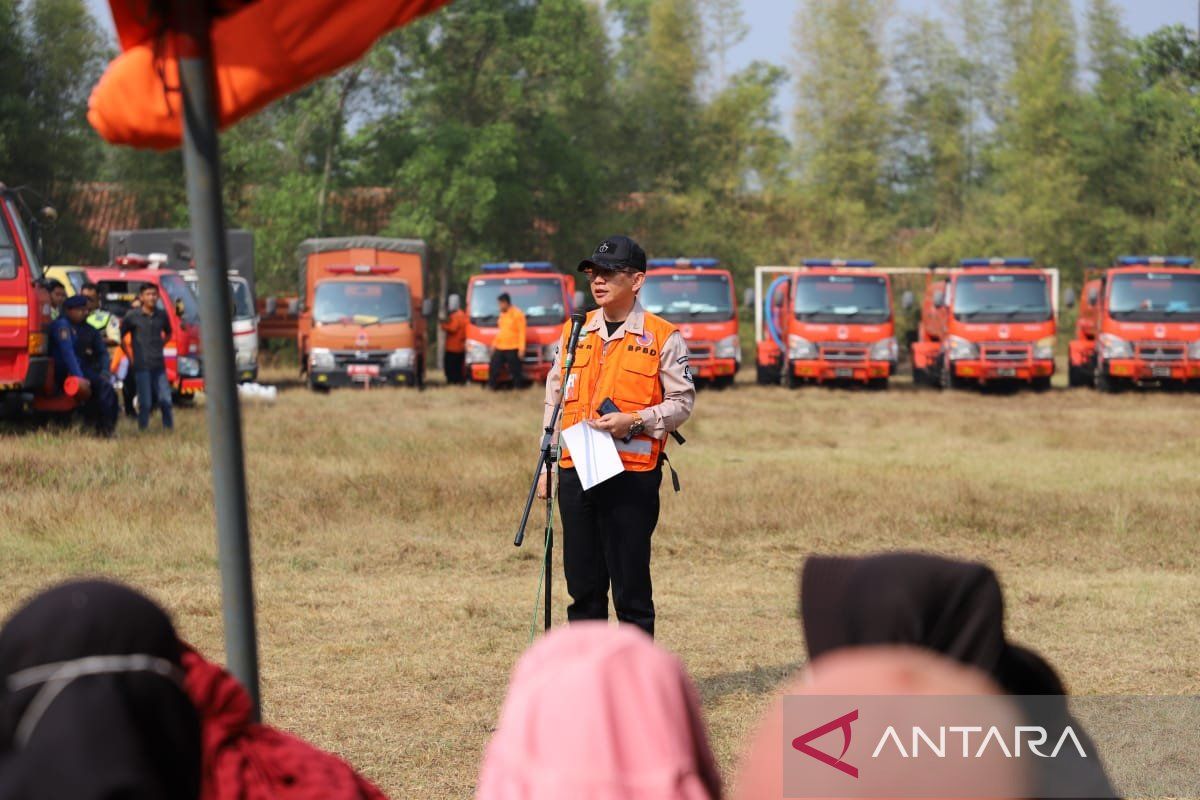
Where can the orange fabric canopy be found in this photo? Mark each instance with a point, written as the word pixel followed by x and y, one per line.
pixel 261 51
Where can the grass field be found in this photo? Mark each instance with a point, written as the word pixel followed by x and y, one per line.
pixel 392 603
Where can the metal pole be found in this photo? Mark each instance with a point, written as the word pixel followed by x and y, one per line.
pixel 201 159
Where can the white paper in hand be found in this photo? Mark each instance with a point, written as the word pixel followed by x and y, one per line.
pixel 594 453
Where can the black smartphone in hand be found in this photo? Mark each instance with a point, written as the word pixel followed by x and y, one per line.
pixel 607 406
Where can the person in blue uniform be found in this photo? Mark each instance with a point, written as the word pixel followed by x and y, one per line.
pixel 79 350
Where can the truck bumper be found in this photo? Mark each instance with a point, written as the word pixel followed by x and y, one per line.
pixel 1143 370
pixel 189 387
pixel 247 374
pixel 710 368
pixel 987 371
pixel 859 371
pixel 533 372
pixel 340 377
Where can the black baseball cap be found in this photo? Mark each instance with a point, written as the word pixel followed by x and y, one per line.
pixel 616 252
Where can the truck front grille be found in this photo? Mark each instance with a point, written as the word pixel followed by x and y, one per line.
pixel 1161 351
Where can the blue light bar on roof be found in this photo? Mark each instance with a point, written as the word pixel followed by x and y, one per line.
pixel 682 263
pixel 519 266
pixel 996 262
pixel 838 262
pixel 1167 261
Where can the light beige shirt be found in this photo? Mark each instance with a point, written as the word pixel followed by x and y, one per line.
pixel 679 391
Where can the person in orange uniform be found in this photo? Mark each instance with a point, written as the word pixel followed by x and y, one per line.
pixel 455 326
pixel 510 344
pixel 639 361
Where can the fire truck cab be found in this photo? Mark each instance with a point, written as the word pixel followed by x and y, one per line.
pixel 1139 323
pixel 544 295
pixel 989 321
pixel 828 321
pixel 121 284
pixel 698 297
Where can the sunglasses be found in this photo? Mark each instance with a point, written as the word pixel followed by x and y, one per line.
pixel 593 273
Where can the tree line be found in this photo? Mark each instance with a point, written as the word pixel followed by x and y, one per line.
pixel 528 129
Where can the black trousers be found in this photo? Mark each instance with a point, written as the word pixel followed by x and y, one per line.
pixel 606 538
pixel 452 363
pixel 510 359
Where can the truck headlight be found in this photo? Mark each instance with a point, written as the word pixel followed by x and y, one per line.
pixel 799 347
pixel 729 347
pixel 478 352
pixel 550 351
pixel 189 366
pixel 321 358
pixel 402 359
pixel 885 350
pixel 1044 348
pixel 1194 350
pixel 962 349
pixel 1114 347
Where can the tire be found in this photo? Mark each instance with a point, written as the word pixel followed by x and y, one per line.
pixel 789 377
pixel 723 382
pixel 878 384
pixel 947 379
pixel 1105 382
pixel 1077 376
pixel 919 376
pixel 767 376
pixel 1041 385
pixel 317 388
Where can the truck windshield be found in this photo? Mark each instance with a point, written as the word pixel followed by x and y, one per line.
pixel 1155 297
pixel 8 251
pixel 181 297
pixel 239 296
pixel 688 298
pixel 842 298
pixel 1002 298
pixel 541 299
pixel 361 302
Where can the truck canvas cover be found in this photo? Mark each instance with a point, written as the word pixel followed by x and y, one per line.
pixel 312 246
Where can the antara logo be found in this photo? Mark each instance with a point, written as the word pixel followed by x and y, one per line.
pixel 1160 331
pixel 843 333
pixel 1003 332
pixel 801 743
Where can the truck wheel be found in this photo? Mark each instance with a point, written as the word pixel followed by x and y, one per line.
pixel 947 379
pixel 789 377
pixel 1105 382
pixel 767 376
pixel 1041 384
pixel 877 384
pixel 919 376
pixel 1076 377
pixel 316 387
pixel 419 377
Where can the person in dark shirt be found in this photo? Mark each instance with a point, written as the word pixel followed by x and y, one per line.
pixel 149 329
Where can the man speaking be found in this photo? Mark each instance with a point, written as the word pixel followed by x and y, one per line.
pixel 637 362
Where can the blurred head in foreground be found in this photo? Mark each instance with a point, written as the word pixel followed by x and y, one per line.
pixel 599 713
pixel 92 703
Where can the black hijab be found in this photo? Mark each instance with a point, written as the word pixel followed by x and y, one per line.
pixel 124 728
pixel 955 608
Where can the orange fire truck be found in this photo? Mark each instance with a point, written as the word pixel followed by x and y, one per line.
pixel 547 298
pixel 989 321
pixel 1139 323
pixel 699 298
pixel 363 319
pixel 828 321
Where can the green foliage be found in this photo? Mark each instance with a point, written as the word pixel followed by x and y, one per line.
pixel 523 129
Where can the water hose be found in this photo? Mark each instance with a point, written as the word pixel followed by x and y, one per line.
pixel 770 317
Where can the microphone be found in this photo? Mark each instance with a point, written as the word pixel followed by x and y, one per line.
pixel 577 320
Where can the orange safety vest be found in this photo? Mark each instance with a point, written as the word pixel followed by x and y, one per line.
pixel 625 370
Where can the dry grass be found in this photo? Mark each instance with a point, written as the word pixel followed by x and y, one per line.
pixel 392 604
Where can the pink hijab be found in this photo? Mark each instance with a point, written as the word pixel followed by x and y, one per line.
pixel 599 713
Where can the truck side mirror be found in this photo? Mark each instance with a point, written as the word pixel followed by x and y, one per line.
pixel 270 305
pixel 293 307
pixel 939 298
pixel 427 307
pixel 907 300
pixel 1068 297
pixel 579 300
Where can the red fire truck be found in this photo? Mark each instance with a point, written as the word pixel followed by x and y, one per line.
pixel 989 321
pixel 699 298
pixel 1139 323
pixel 546 297
pixel 828 321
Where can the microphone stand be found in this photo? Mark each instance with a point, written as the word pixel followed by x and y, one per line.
pixel 546 460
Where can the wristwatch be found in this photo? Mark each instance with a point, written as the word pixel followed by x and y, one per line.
pixel 639 425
